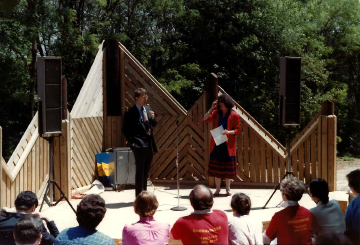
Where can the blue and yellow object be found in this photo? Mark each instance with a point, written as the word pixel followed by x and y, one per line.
pixel 105 167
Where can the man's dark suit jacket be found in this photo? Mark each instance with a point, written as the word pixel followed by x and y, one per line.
pixel 7 226
pixel 134 128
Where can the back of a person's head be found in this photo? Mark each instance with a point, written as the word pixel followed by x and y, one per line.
pixel 354 180
pixel 201 198
pixel 26 200
pixel 292 188
pixel 332 239
pixel 91 211
pixel 241 203
pixel 319 188
pixel 146 204
pixel 28 230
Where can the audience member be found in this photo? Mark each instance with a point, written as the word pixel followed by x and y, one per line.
pixel 28 230
pixel 25 204
pixel 242 228
pixel 90 212
pixel 204 225
pixel 332 239
pixel 322 221
pixel 146 230
pixel 352 215
pixel 292 225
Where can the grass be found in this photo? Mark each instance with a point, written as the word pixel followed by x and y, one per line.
pixel 346 159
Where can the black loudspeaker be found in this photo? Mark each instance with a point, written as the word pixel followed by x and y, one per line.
pixel 290 87
pixel 49 95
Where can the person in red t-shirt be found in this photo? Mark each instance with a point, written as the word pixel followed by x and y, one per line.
pixel 291 225
pixel 203 226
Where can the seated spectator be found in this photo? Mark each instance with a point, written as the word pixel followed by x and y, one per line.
pixel 292 225
pixel 204 225
pixel 25 204
pixel 146 230
pixel 242 228
pixel 352 215
pixel 90 212
pixel 322 221
pixel 28 230
pixel 332 239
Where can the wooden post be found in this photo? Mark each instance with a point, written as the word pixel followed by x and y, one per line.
pixel 211 95
pixel 62 162
pixel 122 94
pixel 104 99
pixel 328 143
pixel 332 121
pixel 112 93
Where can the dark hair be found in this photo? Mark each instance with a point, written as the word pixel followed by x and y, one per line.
pixel 354 180
pixel 25 200
pixel 201 198
pixel 319 188
pixel 28 229
pixel 292 188
pixel 145 204
pixel 332 238
pixel 241 203
pixel 138 91
pixel 228 101
pixel 91 211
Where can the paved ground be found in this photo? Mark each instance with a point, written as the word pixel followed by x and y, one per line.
pixel 343 168
pixel 120 210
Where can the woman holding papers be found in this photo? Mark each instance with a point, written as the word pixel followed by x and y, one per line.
pixel 222 163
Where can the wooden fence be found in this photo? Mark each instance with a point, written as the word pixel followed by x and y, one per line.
pixel 89 130
pixel 28 167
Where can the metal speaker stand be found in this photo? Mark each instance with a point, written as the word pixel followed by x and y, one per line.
pixel 178 208
pixel 50 187
pixel 288 166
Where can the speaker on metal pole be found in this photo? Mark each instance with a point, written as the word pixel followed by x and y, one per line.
pixel 290 87
pixel 49 95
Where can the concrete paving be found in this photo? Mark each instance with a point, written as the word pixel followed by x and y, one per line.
pixel 120 210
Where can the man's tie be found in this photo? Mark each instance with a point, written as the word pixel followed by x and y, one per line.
pixel 146 120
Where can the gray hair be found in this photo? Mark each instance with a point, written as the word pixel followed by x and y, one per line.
pixel 292 188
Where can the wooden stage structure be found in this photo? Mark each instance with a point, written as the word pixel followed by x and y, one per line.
pixel 95 125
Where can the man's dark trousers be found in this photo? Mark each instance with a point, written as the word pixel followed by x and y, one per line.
pixel 143 158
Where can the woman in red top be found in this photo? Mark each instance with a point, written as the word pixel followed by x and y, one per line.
pixel 293 224
pixel 222 163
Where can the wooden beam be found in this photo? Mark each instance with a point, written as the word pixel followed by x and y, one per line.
pixel 324 148
pixel 327 108
pixel 331 147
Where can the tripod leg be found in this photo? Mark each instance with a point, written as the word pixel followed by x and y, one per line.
pixel 277 187
pixel 63 196
pixel 45 193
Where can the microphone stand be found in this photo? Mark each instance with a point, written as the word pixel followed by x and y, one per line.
pixel 178 208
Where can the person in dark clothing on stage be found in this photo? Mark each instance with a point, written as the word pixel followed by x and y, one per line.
pixel 25 204
pixel 139 122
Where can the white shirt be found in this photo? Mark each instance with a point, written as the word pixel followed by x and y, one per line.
pixel 245 230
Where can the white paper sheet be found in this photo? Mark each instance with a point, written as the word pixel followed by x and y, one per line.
pixel 218 135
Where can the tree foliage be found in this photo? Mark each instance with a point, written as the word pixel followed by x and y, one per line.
pixel 180 42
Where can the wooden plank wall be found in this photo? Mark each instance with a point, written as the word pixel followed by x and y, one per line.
pixel 86 141
pixel 32 176
pixel 191 132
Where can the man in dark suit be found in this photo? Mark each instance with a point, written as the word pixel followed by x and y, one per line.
pixel 25 204
pixel 139 122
